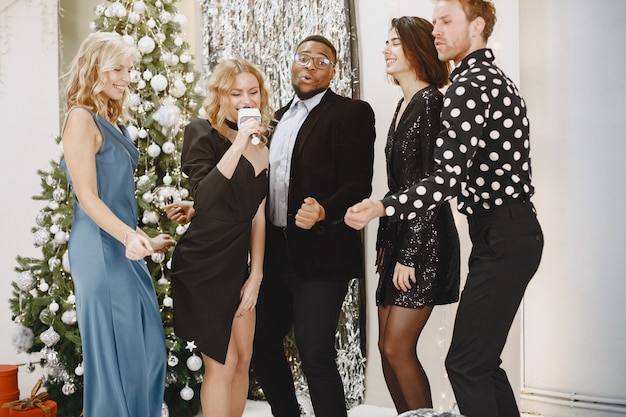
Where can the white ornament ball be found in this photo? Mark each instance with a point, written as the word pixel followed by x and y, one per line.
pixel 180 229
pixel 178 88
pixel 158 83
pixel 189 77
pixel 168 147
pixel 146 45
pixel 181 19
pixel 54 307
pixel 160 37
pixel 133 18
pixel 53 205
pixel 139 6
pixel 71 299
pixel 178 41
pixel 54 229
pixel 79 370
pixel 183 193
pixel 150 217
pixel 158 3
pixel 54 263
pixel 143 133
pixel 185 57
pixel 168 301
pixel 194 363
pixel 165 17
pixel 143 181
pixel 172 360
pixel 186 393
pixel 157 257
pixel 154 150
pixel 151 23
pixel 65 262
pixel 60 238
pixel 129 40
pixel 43 286
pixel 133 132
pixel 148 197
pixel 147 75
pixel 141 84
pixel 134 100
pixel 25 281
pixel 167 180
pixel 92 26
pixel 69 317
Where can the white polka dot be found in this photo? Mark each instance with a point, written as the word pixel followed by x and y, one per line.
pixel 484 98
pixel 403 198
pixel 473 141
pixel 506 101
pixel 525 166
pixel 448 155
pixel 480 181
pixel 482 144
pixel 509 190
pixel 446 102
pixel 485 195
pixel 497 114
pixel 390 211
pixel 526 144
pixel 518 133
pixel 459 91
pixel 439 180
pixel 506 145
pixel 418 204
pixel 439 142
pixel 465 193
pixel 499 202
pixel 486 205
pixel 457 170
pixel 499 172
pixel 506 167
pixel 517 111
pixel 484 167
pixel 495 92
pixel 452 182
pixel 420 190
pixel 525 121
pixel 452 134
pixel 469 210
pixel 516 179
pixel 446 124
pixel 437 196
pixel 455 112
pixel 401 216
pixel 479 119
pixel 494 134
pixel 466 126
pixel 449 168
pixel 517 156
pixel 470 104
pixel 495 186
pixel 411 216
pixel 432 206
pixel 463 148
pixel 469 163
pixel 481 77
pixel 508 123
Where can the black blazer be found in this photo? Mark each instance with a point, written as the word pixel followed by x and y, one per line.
pixel 332 161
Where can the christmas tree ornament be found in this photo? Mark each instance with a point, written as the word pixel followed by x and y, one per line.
pixel 54 263
pixel 54 229
pixel 158 83
pixel 164 195
pixel 143 181
pixel 53 205
pixel 65 262
pixel 79 370
pixel 69 317
pixel 59 195
pixel 71 299
pixel 167 180
pixel 181 19
pixel 43 286
pixel 172 360
pixel 133 132
pixel 41 237
pixel 168 301
pixel 180 229
pixel 50 337
pixel 146 45
pixel 148 197
pixel 26 281
pixel 157 258
pixel 186 393
pixel 139 7
pixel 150 217
pixel 69 388
pixel 40 219
pixel 30 367
pixel 60 238
pixel 22 338
pixel 194 363
pixel 154 150
pixel 53 307
pixel 165 411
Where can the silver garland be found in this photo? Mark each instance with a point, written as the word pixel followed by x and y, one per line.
pixel 266 33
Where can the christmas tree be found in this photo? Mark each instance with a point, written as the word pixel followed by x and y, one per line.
pixel 165 95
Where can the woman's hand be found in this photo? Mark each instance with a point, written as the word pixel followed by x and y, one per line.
pixel 248 296
pixel 180 212
pixel 403 276
pixel 161 243
pixel 137 246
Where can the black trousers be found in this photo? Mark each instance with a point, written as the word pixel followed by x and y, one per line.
pixel 507 243
pixel 313 307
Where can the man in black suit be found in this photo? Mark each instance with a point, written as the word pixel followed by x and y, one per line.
pixel 321 158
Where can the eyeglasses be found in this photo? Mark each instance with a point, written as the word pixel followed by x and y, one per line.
pixel 318 62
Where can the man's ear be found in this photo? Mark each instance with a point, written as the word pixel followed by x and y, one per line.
pixel 477 26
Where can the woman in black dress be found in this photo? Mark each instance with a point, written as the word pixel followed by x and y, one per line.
pixel 418 259
pixel 217 265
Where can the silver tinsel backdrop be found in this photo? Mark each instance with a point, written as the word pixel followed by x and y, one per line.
pixel 266 33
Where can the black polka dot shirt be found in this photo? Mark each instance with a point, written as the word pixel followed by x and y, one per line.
pixel 482 152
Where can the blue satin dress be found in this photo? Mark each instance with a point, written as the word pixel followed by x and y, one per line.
pixel 118 315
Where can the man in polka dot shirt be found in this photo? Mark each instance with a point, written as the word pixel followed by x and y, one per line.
pixel 483 157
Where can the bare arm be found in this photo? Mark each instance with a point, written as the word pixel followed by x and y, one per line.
pixel 81 141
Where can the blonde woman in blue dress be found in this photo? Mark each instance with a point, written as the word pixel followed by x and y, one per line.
pixel 123 344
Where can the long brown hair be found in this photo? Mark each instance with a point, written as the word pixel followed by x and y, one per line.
pixel 418 45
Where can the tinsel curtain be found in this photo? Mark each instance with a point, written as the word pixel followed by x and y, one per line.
pixel 266 33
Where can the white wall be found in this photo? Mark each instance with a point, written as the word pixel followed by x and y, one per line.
pixel 575 336
pixel 29 116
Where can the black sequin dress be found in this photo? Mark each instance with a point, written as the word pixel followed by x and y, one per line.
pixel 430 242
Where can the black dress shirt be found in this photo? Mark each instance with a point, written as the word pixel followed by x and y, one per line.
pixel 482 152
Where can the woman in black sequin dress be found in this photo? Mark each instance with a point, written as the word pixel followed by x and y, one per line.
pixel 418 259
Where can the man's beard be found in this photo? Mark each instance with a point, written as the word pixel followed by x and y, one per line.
pixel 307 95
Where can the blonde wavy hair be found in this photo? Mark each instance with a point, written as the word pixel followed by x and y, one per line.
pixel 221 82
pixel 99 53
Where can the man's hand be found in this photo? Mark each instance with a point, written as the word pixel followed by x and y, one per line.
pixel 360 214
pixel 310 213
